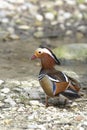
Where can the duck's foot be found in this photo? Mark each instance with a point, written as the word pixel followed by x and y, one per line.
pixel 46 101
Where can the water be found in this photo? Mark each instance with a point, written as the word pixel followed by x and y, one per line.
pixel 15 60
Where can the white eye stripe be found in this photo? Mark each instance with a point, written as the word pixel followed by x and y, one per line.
pixel 48 52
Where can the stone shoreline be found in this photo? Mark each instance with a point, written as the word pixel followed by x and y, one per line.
pixel 22 107
pixel 43 19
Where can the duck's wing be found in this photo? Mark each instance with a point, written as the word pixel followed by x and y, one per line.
pixel 57 75
pixel 70 93
pixel 74 84
pixel 62 77
pixel 61 83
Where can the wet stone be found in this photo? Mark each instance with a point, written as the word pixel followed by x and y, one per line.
pixel 1 82
pixel 10 101
pixel 5 90
pixel 34 102
pixel 33 111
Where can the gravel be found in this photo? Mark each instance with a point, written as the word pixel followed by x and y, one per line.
pixel 25 18
pixel 22 106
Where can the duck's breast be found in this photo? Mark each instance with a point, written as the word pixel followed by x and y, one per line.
pixel 47 85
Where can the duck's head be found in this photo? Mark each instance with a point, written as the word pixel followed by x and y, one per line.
pixel 46 56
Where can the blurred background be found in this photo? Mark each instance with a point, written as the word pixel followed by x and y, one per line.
pixel 25 25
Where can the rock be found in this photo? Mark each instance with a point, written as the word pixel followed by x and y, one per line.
pixel 33 116
pixel 11 30
pixel 1 82
pixel 59 3
pixel 5 20
pixel 78 15
pixel 7 121
pixel 72 51
pixel 79 118
pixel 39 34
pixel 1 104
pixel 24 27
pixel 74 104
pixel 82 7
pixel 26 84
pixel 2 96
pixel 3 34
pixel 67 15
pixel 5 90
pixel 21 109
pixel 12 83
pixel 49 16
pixel 71 2
pixel 35 126
pixel 2 116
pixel 85 123
pixel 13 37
pixel 79 35
pixel 68 32
pixel 17 2
pixel 34 102
pixel 10 101
pixel 39 17
pixel 82 28
pixel 34 95
pixel 61 19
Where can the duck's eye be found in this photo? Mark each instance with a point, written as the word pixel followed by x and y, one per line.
pixel 39 52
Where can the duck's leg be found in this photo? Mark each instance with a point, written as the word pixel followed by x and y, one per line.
pixel 46 101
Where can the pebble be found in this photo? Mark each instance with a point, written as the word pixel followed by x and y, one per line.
pixel 35 103
pixel 5 90
pixel 49 16
pixel 39 34
pixel 1 82
pixel 1 104
pixel 35 126
pixel 74 104
pixel 39 17
pixel 21 109
pixel 17 2
pixel 10 101
pixel 14 37
pixel 37 14
pixel 24 27
pixel 34 112
pixel 12 83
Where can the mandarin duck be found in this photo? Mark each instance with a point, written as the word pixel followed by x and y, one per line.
pixel 54 82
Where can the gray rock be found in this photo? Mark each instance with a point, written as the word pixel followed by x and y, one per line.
pixel 21 109
pixel 39 17
pixel 1 104
pixel 82 28
pixel 82 7
pixel 1 82
pixel 5 90
pixel 17 2
pixel 13 37
pixel 67 15
pixel 35 103
pixel 72 51
pixel 49 16
pixel 39 34
pixel 35 126
pixel 10 101
pixel 12 83
pixel 24 27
